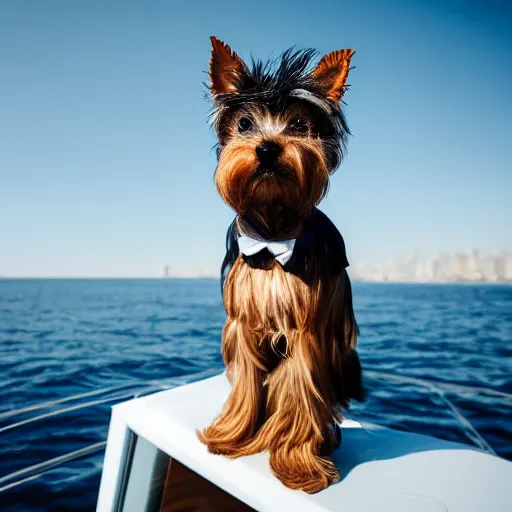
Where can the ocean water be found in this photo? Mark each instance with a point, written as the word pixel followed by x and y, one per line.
pixel 429 352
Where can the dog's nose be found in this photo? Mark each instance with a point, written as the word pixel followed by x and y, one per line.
pixel 268 152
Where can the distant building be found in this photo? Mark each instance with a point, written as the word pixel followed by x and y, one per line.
pixel 507 274
pixel 470 266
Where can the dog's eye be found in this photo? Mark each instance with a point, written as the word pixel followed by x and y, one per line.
pixel 244 125
pixel 299 125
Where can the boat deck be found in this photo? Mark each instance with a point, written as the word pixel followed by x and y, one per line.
pixel 381 469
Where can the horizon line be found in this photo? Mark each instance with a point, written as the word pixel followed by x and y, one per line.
pixel 170 278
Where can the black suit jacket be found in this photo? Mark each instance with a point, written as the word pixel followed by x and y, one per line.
pixel 319 240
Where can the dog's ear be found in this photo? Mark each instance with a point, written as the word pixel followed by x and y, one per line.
pixel 226 68
pixel 332 72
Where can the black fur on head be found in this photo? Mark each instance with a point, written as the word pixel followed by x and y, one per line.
pixel 277 84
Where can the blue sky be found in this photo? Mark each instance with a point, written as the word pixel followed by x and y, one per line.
pixel 105 153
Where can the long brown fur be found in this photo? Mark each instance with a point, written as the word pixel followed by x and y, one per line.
pixel 286 336
pixel 290 409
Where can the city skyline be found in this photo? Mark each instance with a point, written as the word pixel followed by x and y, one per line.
pixel 467 266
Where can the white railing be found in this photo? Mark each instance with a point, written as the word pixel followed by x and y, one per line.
pixel 130 391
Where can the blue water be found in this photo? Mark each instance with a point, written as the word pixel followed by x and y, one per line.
pixel 65 337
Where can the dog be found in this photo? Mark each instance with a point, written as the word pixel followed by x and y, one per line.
pixel 290 335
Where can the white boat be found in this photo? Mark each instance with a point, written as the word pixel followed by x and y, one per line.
pixel 381 469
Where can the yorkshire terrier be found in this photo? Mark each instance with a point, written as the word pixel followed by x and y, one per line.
pixel 290 334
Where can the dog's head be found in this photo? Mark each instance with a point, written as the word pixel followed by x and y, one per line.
pixel 281 133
